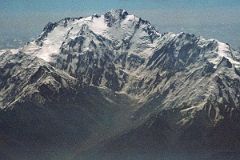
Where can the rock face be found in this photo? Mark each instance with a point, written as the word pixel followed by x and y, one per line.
pixel 113 81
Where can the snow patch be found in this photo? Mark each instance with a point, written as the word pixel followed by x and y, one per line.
pixel 98 25
pixel 224 51
pixel 10 51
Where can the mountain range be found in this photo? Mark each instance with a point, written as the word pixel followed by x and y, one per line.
pixel 113 87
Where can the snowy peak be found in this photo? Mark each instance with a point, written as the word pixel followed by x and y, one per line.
pixel 117 26
pixel 124 33
pixel 117 50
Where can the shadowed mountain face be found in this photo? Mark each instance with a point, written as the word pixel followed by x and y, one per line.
pixel 113 87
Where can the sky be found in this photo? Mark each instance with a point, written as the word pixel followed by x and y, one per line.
pixel 23 20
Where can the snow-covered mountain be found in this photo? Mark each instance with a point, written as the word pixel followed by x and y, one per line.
pixel 175 91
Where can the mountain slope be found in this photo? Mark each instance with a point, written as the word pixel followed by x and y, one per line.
pixel 44 109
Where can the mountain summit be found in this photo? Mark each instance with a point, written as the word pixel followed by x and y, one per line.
pixel 114 82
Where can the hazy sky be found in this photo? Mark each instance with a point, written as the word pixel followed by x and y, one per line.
pixel 220 19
